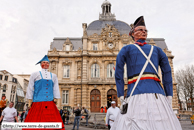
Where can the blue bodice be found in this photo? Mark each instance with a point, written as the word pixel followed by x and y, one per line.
pixel 43 90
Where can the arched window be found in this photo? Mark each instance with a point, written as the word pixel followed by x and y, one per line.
pixel 95 46
pixel 110 70
pixel 66 70
pixel 14 88
pixel 95 72
pixel 65 96
pixel 4 88
pixel 6 78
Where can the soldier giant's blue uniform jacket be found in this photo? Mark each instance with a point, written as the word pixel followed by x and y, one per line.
pixel 135 61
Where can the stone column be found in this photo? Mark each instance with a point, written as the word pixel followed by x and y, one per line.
pixel 71 96
pixel 75 97
pixel 84 96
pixel 175 105
pixel 87 97
pixel 84 70
pixel 60 71
pixel 108 9
pixel 103 97
pixel 103 68
pixel 84 67
pixel 105 10
pixel 78 97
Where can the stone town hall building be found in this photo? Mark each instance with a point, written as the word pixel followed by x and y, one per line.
pixel 85 65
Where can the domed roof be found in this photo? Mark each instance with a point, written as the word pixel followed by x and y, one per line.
pixel 106 3
pixel 96 27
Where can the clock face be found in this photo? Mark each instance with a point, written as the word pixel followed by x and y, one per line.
pixel 110 45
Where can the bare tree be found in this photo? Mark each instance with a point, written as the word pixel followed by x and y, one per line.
pixel 185 84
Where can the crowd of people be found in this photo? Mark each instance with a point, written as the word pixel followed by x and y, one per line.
pixel 10 114
pixel 65 115
pixel 79 114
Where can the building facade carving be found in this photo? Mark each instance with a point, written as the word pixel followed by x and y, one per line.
pixel 88 62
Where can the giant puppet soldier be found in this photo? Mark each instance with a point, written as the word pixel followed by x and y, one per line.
pixel 42 93
pixel 149 105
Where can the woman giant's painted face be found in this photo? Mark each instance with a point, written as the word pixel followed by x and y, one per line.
pixel 140 32
pixel 45 64
pixel 3 97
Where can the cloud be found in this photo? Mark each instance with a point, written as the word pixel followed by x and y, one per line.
pixel 28 27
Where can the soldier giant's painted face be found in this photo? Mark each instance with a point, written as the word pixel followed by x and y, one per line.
pixel 140 32
pixel 45 64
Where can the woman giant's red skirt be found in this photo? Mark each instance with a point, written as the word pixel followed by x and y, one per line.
pixel 44 112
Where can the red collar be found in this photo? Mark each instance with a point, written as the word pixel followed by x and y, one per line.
pixel 140 44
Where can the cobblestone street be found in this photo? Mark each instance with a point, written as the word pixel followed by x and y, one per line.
pixel 186 125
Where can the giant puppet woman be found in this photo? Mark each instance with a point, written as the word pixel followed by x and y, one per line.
pixel 149 105
pixel 42 93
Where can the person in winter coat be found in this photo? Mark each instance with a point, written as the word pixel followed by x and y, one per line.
pixel 77 112
pixel 21 117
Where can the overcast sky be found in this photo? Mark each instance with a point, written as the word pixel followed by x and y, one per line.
pixel 27 27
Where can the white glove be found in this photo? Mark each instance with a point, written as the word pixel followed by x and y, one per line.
pixel 122 101
pixel 169 99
